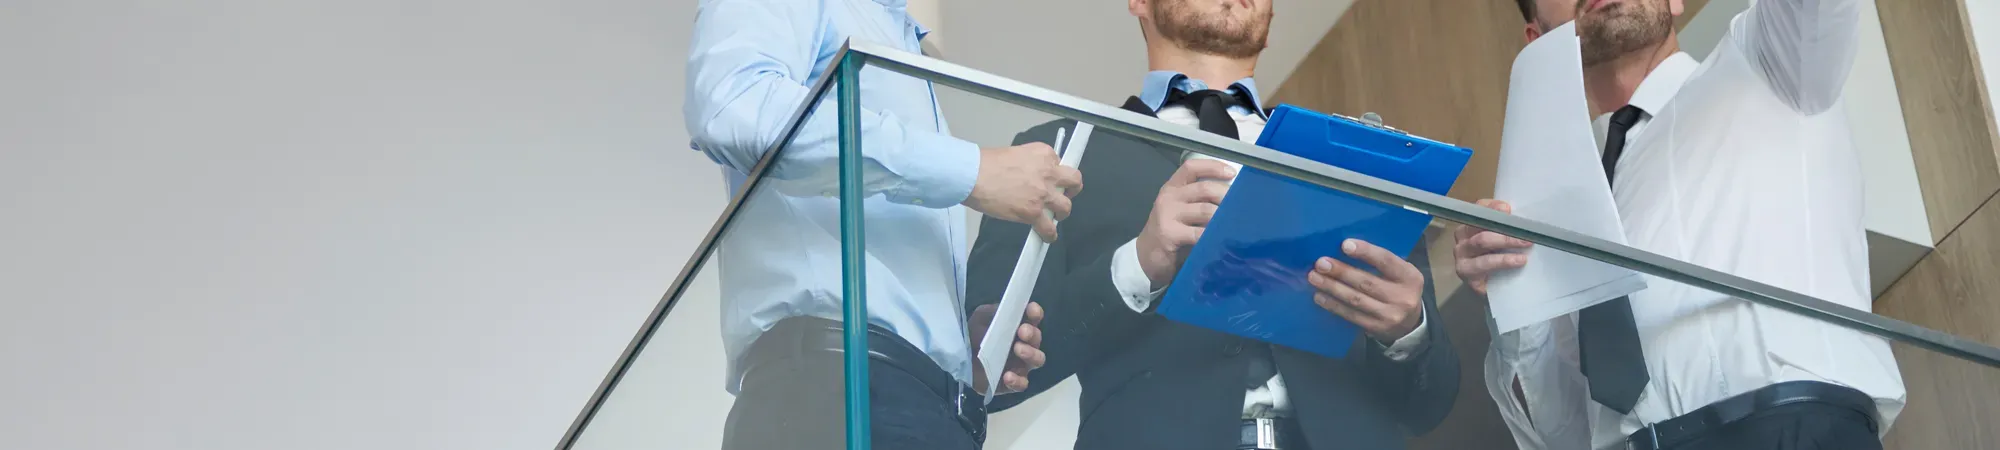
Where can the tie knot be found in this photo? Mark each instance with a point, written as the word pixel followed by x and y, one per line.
pixel 1195 100
pixel 1626 117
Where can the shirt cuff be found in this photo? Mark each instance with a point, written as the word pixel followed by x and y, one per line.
pixel 937 170
pixel 1410 344
pixel 1130 279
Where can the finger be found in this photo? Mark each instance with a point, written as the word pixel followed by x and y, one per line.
pixel 1331 296
pixel 1033 315
pixel 1046 227
pixel 1205 191
pixel 1032 357
pixel 1182 236
pixel 1029 334
pixel 1367 308
pixel 1392 266
pixel 1467 231
pixel 1069 179
pixel 1059 206
pixel 1201 169
pixel 1014 381
pixel 1484 266
pixel 1489 242
pixel 1351 277
pixel 1198 214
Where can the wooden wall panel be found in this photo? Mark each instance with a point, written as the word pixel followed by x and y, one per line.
pixel 1435 68
pixel 1953 403
pixel 1945 108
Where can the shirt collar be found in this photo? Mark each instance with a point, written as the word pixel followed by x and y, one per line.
pixel 1160 82
pixel 1663 82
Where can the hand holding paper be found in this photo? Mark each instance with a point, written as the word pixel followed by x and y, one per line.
pixel 1023 356
pixel 996 342
pixel 1549 168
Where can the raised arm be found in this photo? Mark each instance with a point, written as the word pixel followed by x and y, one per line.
pixel 1805 48
pixel 752 64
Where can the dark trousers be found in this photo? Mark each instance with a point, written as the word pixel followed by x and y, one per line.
pixel 798 403
pixel 1802 426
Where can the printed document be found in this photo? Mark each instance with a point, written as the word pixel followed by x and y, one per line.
pixel 998 343
pixel 1550 172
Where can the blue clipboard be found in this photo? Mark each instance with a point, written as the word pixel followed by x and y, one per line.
pixel 1247 275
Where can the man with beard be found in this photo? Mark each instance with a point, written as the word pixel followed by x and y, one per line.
pixel 1151 383
pixel 1743 164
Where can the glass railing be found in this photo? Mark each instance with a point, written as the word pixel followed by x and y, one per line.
pixel 798 206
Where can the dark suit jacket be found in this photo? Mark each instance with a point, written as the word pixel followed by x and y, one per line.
pixel 1150 383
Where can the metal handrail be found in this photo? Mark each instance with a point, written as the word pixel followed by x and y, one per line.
pixel 1150 129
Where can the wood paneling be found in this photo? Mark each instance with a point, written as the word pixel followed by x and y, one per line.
pixel 1945 107
pixel 1435 68
pixel 1952 403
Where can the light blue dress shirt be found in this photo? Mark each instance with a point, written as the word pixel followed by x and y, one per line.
pixel 1160 82
pixel 751 65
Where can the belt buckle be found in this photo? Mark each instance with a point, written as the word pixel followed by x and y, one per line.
pixel 965 418
pixel 1267 433
pixel 1652 435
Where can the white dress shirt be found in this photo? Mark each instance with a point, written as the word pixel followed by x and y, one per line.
pixel 1137 288
pixel 1741 164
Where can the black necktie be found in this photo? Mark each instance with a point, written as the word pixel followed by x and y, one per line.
pixel 1613 362
pixel 1211 112
pixel 1211 107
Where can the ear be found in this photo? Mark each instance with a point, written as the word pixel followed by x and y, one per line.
pixel 1531 32
pixel 1676 7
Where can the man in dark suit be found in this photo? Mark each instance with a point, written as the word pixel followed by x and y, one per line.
pixel 1151 383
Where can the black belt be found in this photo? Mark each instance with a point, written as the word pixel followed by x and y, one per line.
pixel 1270 434
pixel 1690 426
pixel 794 336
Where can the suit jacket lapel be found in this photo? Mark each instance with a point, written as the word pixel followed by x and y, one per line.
pixel 1173 155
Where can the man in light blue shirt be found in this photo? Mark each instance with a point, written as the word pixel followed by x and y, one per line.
pixel 751 65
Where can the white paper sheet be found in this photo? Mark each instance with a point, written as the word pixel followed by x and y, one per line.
pixel 998 343
pixel 1550 172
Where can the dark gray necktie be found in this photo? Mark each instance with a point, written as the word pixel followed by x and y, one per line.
pixel 1613 362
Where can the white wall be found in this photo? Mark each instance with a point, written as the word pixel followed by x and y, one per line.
pixel 234 224
pixel 1984 17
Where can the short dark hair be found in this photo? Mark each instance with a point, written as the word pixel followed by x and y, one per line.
pixel 1527 9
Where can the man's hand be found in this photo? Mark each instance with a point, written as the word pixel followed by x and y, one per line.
pixel 1027 354
pixel 1180 213
pixel 1017 183
pixel 1387 307
pixel 1479 253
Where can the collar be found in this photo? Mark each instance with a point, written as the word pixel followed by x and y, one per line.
pixel 902 6
pixel 1159 82
pixel 1663 82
